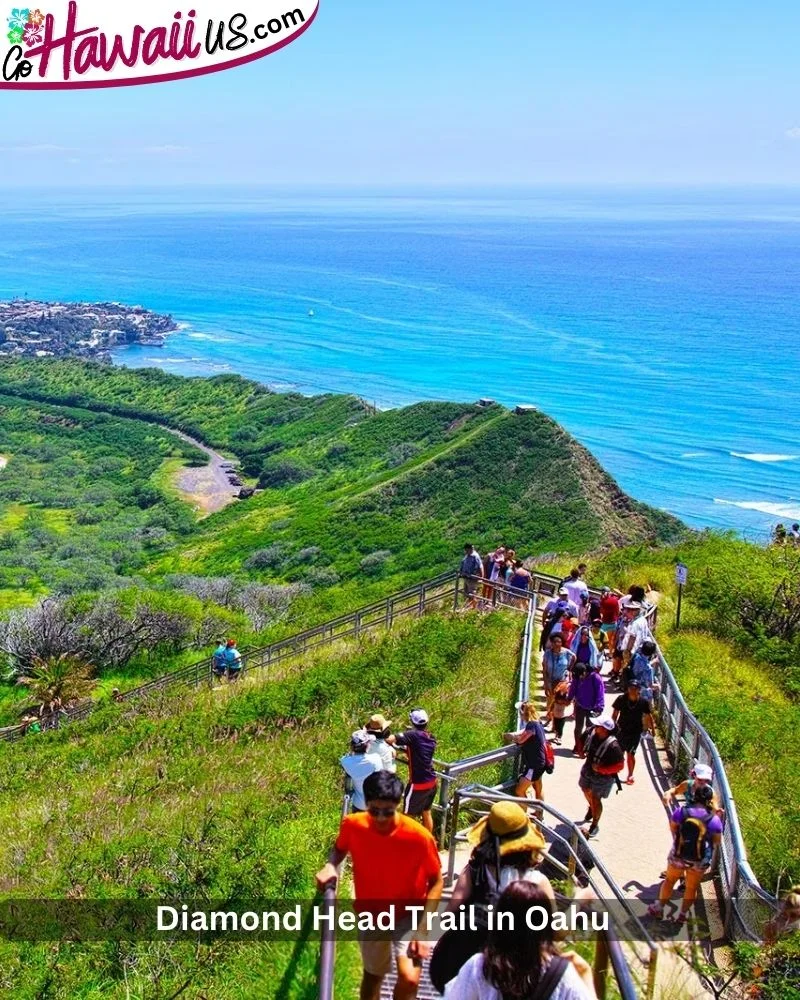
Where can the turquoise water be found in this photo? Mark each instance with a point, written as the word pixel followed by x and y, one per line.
pixel 661 328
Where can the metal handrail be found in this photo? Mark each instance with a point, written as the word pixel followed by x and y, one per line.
pixel 687 737
pixel 625 982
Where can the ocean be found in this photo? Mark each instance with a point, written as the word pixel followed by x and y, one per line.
pixel 661 327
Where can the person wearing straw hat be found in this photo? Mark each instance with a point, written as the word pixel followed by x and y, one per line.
pixel 378 727
pixel 507 848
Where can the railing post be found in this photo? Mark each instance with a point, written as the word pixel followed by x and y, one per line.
pixel 357 625
pixel 600 968
pixel 455 595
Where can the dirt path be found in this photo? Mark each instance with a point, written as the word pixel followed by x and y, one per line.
pixel 206 487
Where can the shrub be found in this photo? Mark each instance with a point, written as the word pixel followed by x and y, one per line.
pixel 321 576
pixel 285 473
pixel 375 562
pixel 269 558
pixel 402 453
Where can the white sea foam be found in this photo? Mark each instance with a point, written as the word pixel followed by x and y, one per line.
pixel 695 454
pixel 787 510
pixel 757 456
pixel 209 337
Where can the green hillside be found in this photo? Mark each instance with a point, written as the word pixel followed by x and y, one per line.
pixel 231 794
pixel 354 504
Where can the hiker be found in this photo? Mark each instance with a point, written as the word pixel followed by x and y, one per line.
pixel 471 570
pixel 555 611
pixel 640 669
pixel 378 727
pixel 794 534
pixel 584 648
pixel 534 751
pixel 696 830
pixel 637 630
pixel 233 660
pixel 522 964
pixel 701 776
pixel 787 920
pixel 600 771
pixel 633 714
pixel 520 582
pixel 506 848
pixel 561 702
pixel 360 763
pixel 218 660
pixel 577 591
pixel 394 862
pixel 588 694
pixel 779 535
pixel 599 636
pixel 556 661
pixel 493 572
pixel 420 746
pixel 609 615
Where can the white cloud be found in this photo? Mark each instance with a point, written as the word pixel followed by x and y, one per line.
pixel 792 133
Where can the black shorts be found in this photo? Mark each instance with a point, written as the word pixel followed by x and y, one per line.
pixel 629 742
pixel 418 801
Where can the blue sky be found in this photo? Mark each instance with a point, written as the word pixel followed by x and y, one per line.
pixel 419 92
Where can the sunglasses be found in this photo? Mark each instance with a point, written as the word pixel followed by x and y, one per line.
pixel 384 813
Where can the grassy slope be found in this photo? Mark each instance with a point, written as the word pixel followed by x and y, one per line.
pixel 227 795
pixel 742 700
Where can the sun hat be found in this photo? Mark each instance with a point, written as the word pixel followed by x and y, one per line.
pixel 606 722
pixel 419 717
pixel 703 772
pixel 508 822
pixel 563 590
pixel 361 738
pixel 632 606
pixel 377 724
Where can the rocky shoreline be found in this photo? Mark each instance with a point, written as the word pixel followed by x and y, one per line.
pixel 89 330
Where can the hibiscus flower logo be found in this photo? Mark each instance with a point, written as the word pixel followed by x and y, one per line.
pixel 33 34
pixel 15 36
pixel 20 16
pixel 36 17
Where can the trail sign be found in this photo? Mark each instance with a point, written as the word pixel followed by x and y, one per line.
pixel 681 574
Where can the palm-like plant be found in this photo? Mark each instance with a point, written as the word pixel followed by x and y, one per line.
pixel 55 681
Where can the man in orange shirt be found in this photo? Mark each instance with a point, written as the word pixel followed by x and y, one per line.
pixel 395 861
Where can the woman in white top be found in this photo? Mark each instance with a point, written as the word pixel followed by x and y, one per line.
pixel 522 964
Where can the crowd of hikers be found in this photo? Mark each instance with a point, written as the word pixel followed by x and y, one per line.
pixel 782 535
pixel 592 643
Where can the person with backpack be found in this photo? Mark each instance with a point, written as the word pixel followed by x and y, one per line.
pixel 471 570
pixel 696 831
pixel 588 694
pixel 506 847
pixel 600 771
pixel 522 964
pixel 555 612
pixel 537 754
pixel 640 669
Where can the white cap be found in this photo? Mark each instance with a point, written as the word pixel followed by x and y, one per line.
pixel 419 717
pixel 606 722
pixel 703 772
pixel 361 738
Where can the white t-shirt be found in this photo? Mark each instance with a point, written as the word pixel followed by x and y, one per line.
pixel 470 984
pixel 360 766
pixel 386 754
pixel 577 590
pixel 639 630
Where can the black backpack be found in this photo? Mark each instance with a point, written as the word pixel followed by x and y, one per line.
pixel 691 839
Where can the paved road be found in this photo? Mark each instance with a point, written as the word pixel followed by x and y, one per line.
pixel 207 486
